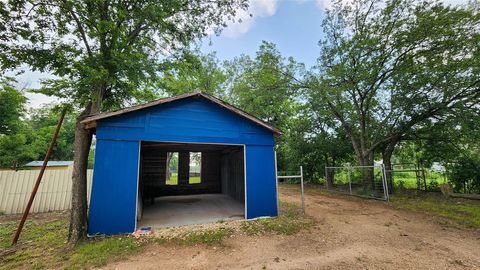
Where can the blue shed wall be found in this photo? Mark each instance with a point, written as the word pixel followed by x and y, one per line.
pixel 113 201
pixel 261 186
pixel 191 120
pixel 114 190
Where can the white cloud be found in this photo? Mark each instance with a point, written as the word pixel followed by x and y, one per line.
pixel 244 20
pixel 323 4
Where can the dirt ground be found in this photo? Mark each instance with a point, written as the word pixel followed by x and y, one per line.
pixel 350 233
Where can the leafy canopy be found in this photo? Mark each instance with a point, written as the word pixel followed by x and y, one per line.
pixel 388 67
pixel 103 51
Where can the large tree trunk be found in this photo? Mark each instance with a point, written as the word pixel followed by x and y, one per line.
pixel 387 162
pixel 329 174
pixel 78 217
pixel 368 178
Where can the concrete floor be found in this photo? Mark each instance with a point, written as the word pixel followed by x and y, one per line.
pixel 190 209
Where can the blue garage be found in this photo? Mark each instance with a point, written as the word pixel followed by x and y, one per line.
pixel 182 160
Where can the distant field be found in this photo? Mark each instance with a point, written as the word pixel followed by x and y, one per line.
pixel 408 180
pixel 402 180
pixel 174 180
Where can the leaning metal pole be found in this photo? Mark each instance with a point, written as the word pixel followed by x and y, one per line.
pixel 39 178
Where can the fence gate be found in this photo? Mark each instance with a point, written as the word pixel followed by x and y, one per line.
pixel 363 181
pixel 291 177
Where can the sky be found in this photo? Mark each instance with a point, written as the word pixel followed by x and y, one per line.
pixel 293 25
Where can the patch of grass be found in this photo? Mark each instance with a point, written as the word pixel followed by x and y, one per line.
pixel 98 252
pixel 209 237
pixel 173 180
pixel 464 212
pixel 42 245
pixel 289 222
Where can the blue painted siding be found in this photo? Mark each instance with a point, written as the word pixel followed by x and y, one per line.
pixel 191 120
pixel 114 188
pixel 261 182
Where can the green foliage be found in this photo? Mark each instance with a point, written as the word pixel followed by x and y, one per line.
pixel 43 122
pixel 104 52
pixel 15 148
pixel 12 107
pixel 387 69
pixel 33 136
pixel 193 71
pixel 266 86
pixel 464 174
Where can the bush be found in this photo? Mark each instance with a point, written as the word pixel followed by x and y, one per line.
pixel 433 186
pixel 465 174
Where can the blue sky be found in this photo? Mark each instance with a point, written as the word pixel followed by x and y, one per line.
pixel 295 26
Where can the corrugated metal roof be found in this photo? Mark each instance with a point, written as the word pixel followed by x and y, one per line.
pixel 53 163
pixel 94 118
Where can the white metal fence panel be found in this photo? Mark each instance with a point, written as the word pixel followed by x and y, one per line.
pixel 54 193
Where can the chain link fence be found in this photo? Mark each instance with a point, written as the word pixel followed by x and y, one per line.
pixel 363 181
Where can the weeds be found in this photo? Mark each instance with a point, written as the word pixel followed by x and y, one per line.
pixel 209 237
pixel 461 211
pixel 99 252
pixel 42 246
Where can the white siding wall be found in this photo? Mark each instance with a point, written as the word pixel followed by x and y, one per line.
pixel 54 193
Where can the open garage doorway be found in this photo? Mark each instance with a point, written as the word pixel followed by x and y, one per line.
pixel 187 183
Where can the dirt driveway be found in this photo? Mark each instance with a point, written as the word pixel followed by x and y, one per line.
pixel 350 233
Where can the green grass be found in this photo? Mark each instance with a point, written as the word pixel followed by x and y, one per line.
pixel 408 180
pixel 174 180
pixel 464 212
pixel 208 236
pixel 291 221
pixel 42 245
pixel 99 252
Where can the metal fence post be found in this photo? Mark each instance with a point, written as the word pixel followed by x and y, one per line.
pixel 276 183
pixel 349 169
pixel 326 177
pixel 301 183
pixel 384 182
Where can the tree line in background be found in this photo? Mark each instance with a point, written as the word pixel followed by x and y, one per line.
pixel 397 80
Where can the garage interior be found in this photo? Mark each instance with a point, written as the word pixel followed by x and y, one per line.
pixel 184 183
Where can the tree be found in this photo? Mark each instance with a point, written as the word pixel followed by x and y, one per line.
pixel 43 122
pixel 265 86
pixel 192 71
pixel 104 53
pixel 13 139
pixel 455 143
pixel 15 150
pixel 313 144
pixel 388 67
pixel 12 107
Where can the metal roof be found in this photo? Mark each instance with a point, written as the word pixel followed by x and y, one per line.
pixel 59 163
pixel 90 122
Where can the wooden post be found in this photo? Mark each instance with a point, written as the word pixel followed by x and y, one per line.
pixel 39 178
pixel 183 168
